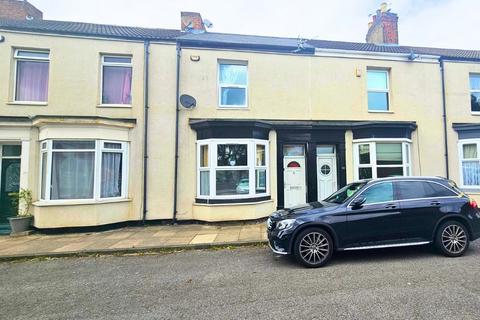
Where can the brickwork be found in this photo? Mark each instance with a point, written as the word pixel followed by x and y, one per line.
pixel 19 10
pixel 383 29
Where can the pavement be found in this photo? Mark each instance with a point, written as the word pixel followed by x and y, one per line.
pixel 244 283
pixel 132 239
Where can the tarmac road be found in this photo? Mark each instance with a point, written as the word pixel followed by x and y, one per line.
pixel 244 283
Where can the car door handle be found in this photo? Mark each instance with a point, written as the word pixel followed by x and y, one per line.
pixel 390 206
pixel 435 203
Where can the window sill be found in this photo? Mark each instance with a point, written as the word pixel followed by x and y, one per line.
pixel 380 111
pixel 27 103
pixel 232 108
pixel 53 203
pixel 227 202
pixel 114 106
pixel 475 113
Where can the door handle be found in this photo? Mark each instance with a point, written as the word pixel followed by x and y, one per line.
pixel 435 203
pixel 390 206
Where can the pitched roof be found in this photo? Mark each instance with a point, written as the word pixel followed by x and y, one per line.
pixel 89 29
pixel 223 40
pixel 229 40
pixel 370 47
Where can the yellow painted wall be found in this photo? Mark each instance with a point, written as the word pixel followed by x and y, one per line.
pixel 280 87
pixel 291 87
pixel 457 93
pixel 74 90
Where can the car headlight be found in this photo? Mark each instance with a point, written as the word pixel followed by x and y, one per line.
pixel 285 224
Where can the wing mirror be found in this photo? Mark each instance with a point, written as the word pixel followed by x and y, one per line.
pixel 357 203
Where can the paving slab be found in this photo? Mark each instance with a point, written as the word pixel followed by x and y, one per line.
pixel 132 239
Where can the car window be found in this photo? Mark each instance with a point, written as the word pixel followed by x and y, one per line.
pixel 345 193
pixel 381 192
pixel 421 189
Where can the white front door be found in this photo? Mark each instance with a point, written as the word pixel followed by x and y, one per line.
pixel 295 190
pixel 326 175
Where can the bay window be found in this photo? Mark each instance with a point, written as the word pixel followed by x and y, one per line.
pixel 232 169
pixel 81 170
pixel 116 80
pixel 31 76
pixel 469 163
pixel 380 159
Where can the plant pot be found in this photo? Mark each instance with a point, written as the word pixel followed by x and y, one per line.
pixel 20 224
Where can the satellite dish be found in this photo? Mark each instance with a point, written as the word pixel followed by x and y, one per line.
pixel 188 101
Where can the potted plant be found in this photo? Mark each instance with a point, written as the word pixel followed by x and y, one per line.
pixel 22 202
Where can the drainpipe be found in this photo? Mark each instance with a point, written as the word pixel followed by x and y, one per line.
pixel 145 127
pixel 177 111
pixel 444 109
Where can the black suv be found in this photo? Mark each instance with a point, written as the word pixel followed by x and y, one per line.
pixel 380 213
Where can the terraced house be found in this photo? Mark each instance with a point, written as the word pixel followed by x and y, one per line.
pixel 110 124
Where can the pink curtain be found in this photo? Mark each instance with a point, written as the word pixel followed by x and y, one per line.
pixel 32 81
pixel 117 85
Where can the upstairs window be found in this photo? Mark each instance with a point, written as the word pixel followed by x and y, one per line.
pixel 378 90
pixel 475 92
pixel 31 75
pixel 116 80
pixel 232 84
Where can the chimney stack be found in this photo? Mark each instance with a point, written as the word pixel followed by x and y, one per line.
pixel 192 22
pixel 19 10
pixel 383 29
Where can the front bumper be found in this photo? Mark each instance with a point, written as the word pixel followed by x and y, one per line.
pixel 279 242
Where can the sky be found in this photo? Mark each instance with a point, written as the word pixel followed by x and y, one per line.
pixel 432 23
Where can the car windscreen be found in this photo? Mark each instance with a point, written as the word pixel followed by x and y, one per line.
pixel 345 193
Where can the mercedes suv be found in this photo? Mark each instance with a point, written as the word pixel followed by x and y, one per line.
pixel 379 213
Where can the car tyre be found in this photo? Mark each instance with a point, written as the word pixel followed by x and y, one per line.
pixel 313 247
pixel 452 239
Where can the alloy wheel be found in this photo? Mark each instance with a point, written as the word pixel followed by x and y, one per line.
pixel 314 248
pixel 454 239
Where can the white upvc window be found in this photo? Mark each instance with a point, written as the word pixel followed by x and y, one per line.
pixel 31 76
pixel 232 168
pixel 381 158
pixel 475 92
pixel 468 151
pixel 378 90
pixel 83 170
pixel 232 84
pixel 116 80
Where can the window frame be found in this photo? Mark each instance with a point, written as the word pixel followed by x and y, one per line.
pixel 114 64
pixel 473 91
pixel 220 86
pixel 461 159
pixel 406 156
pixel 16 59
pixel 46 147
pixel 251 166
pixel 387 90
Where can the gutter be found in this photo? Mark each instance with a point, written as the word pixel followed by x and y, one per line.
pixel 145 128
pixel 444 115
pixel 177 111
